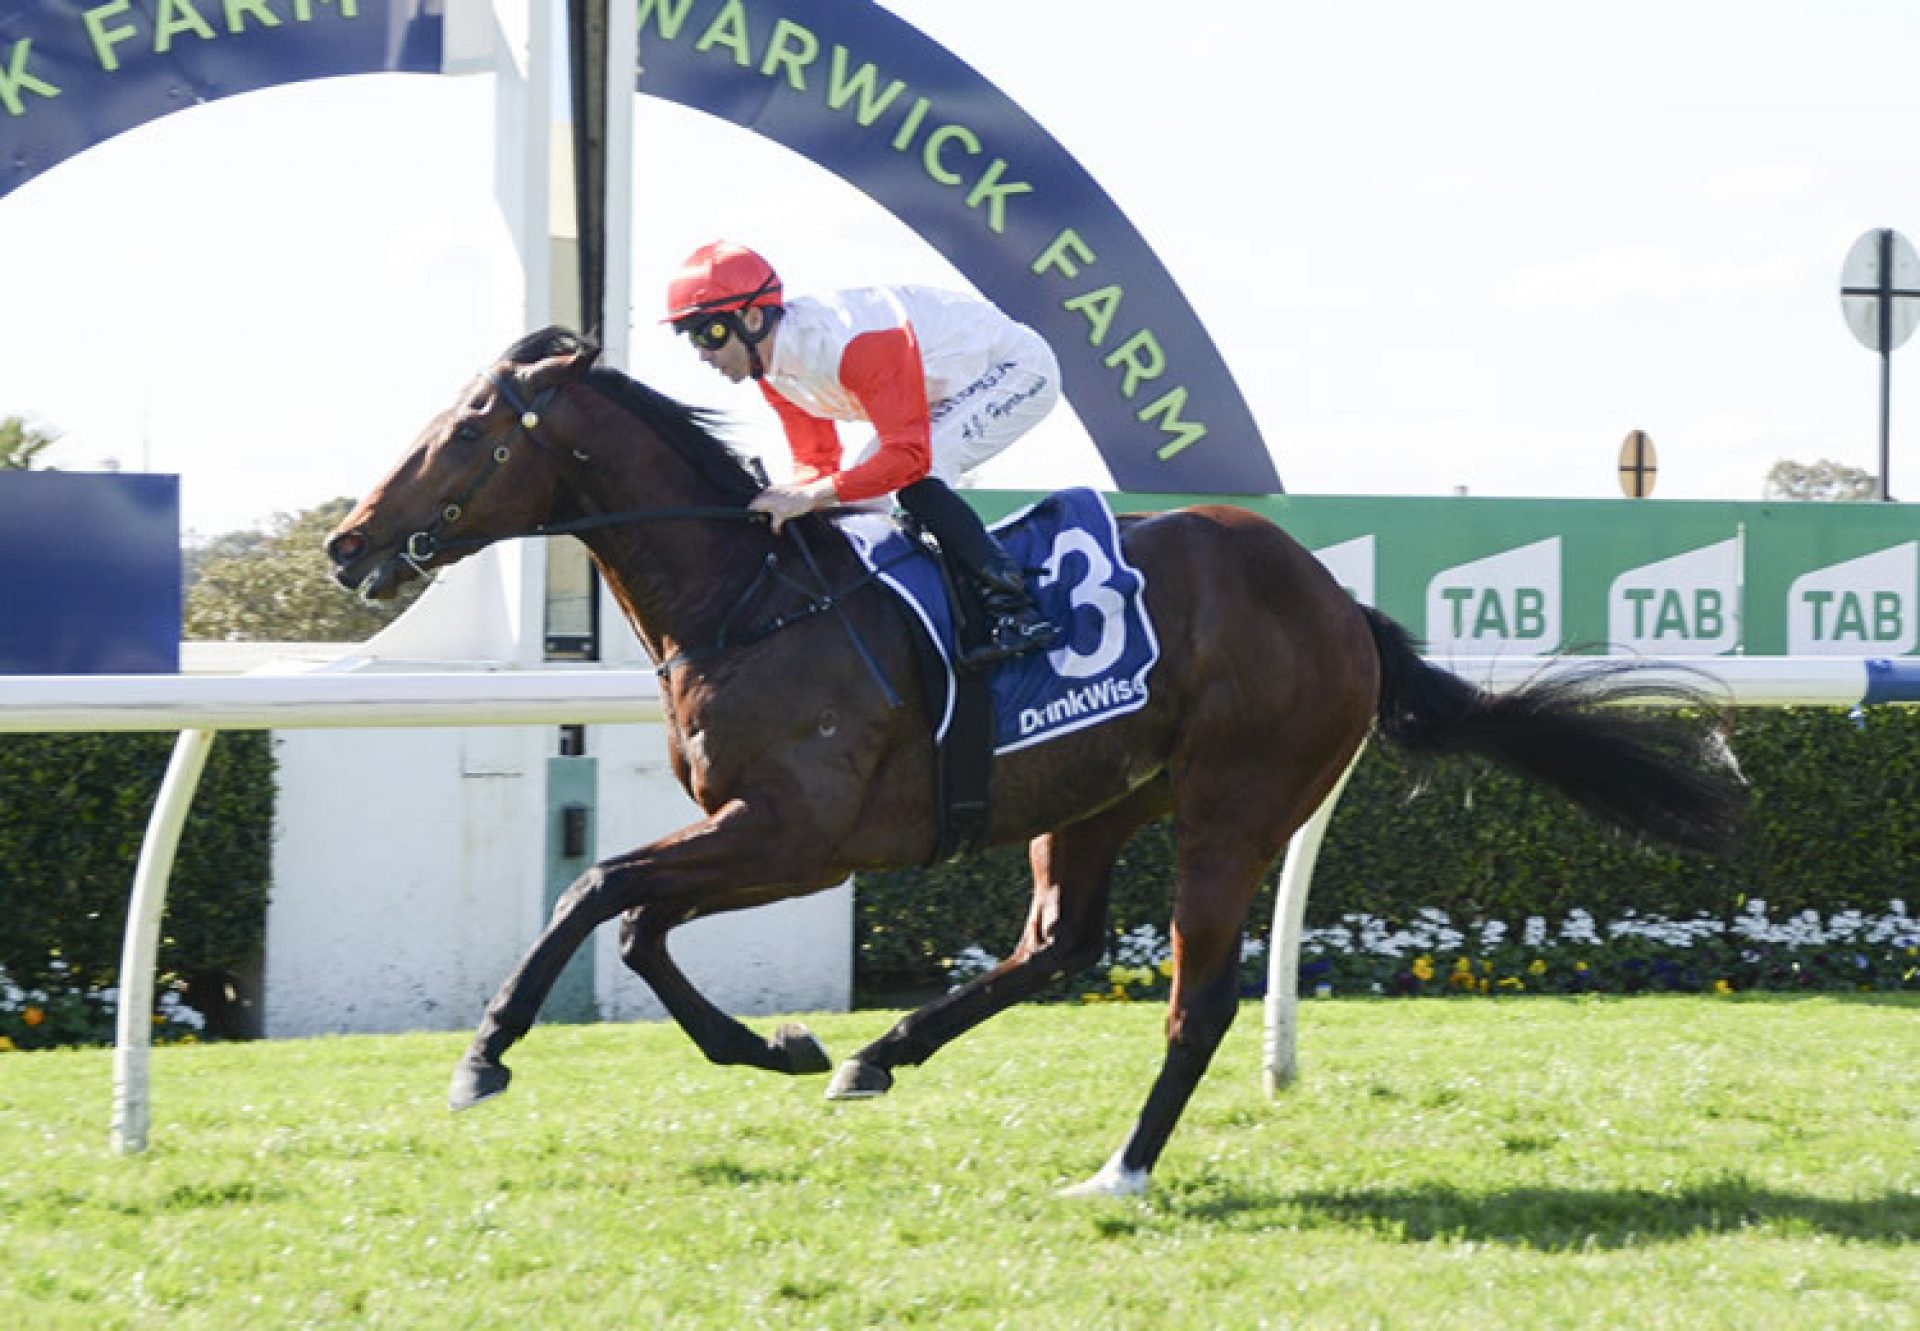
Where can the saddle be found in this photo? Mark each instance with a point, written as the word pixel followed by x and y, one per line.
pixel 1069 545
pixel 963 753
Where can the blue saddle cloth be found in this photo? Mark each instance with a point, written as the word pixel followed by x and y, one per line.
pixel 1069 544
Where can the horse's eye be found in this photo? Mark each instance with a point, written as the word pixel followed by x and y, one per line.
pixel 467 433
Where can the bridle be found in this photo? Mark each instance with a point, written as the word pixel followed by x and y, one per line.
pixel 430 541
pixel 423 545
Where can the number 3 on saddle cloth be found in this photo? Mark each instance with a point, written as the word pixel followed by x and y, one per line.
pixel 1069 543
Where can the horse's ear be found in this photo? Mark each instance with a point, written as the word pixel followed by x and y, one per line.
pixel 564 357
pixel 586 352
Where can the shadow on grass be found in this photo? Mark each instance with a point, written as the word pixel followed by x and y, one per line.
pixel 1555 1219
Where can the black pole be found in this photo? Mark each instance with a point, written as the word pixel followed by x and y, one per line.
pixel 1886 358
pixel 587 62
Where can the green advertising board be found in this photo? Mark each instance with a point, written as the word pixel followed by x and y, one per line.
pixel 1527 577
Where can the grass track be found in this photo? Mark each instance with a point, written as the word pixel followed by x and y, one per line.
pixel 1643 1163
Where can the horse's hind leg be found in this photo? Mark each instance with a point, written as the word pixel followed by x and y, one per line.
pixel 1216 887
pixel 1072 875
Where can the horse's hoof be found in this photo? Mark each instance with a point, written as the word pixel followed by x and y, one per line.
pixel 859 1081
pixel 1113 1180
pixel 475 1080
pixel 804 1054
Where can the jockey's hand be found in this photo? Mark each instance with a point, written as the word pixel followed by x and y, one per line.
pixel 783 503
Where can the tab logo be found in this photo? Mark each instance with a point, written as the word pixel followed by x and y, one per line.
pixel 1351 563
pixel 1864 607
pixel 1500 605
pixel 1689 603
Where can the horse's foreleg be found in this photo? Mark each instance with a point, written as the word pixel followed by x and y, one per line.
pixel 591 899
pixel 643 946
pixel 1065 931
pixel 699 867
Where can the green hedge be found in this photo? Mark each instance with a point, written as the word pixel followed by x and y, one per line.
pixel 1834 826
pixel 73 811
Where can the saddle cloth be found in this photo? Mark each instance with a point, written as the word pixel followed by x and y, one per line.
pixel 1069 544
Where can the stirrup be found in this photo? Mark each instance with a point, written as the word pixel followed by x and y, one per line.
pixel 1010 636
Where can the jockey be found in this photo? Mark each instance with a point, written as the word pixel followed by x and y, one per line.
pixel 946 381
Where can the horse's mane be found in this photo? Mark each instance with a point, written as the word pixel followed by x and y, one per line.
pixel 690 431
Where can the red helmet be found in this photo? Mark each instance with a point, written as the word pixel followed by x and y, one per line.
pixel 721 277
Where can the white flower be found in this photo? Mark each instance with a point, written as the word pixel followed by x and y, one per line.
pixel 1578 927
pixel 973 960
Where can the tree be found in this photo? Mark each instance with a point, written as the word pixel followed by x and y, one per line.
pixel 275 586
pixel 1824 481
pixel 21 443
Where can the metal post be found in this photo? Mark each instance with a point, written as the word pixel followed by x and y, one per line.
pixel 1886 358
pixel 1281 1063
pixel 133 1039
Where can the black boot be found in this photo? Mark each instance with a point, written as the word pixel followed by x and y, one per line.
pixel 1015 625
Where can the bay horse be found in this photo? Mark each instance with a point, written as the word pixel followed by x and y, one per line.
pixel 809 768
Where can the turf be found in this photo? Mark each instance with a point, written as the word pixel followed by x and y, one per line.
pixel 1648 1162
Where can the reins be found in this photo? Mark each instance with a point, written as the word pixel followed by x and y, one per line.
pixel 424 544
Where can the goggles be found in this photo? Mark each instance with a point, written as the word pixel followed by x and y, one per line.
pixel 709 332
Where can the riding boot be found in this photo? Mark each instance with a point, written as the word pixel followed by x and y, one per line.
pixel 1015 625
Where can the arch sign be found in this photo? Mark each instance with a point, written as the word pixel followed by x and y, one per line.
pixel 843 82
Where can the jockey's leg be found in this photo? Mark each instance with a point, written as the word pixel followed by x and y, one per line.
pixel 1015 623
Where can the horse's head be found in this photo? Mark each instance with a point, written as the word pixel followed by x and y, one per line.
pixel 485 469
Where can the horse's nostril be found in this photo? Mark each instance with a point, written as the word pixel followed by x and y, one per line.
pixel 345 546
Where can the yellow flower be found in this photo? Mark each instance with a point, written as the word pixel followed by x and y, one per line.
pixel 1486 968
pixel 1722 987
pixel 1423 968
pixel 1091 998
pixel 33 1016
pixel 1512 982
pixel 7 1046
pixel 1462 966
pixel 1143 975
pixel 1166 968
pixel 1118 993
pixel 1538 967
pixel 1580 966
pixel 1483 986
pixel 1118 975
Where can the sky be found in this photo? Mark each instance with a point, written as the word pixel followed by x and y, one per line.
pixel 1440 246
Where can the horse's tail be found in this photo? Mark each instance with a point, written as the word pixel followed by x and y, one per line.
pixel 1664 772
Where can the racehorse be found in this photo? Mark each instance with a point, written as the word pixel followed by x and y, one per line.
pixel 774 654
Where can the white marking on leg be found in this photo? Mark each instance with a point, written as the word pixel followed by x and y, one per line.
pixel 1113 1180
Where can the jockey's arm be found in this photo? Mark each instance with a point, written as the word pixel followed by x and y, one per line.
pixel 814 441
pixel 883 370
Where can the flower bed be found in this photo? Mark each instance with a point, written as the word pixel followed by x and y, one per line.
pixel 1429 954
pixel 49 1018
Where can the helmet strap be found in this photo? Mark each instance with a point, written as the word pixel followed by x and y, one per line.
pixel 769 317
